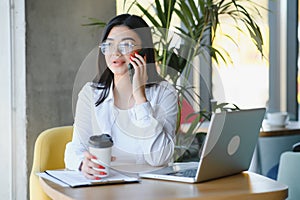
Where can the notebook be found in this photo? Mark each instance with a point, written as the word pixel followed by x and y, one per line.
pixel 68 178
pixel 228 149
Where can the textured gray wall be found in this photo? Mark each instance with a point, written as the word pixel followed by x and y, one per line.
pixel 56 44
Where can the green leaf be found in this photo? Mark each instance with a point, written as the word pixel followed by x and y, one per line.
pixel 194 9
pixel 148 15
pixel 185 22
pixel 187 12
pixel 160 13
pixel 94 22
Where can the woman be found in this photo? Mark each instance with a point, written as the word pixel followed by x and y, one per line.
pixel 139 112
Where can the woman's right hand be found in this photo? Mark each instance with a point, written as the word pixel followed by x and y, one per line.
pixel 88 167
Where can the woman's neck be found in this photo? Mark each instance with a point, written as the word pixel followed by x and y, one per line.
pixel 122 91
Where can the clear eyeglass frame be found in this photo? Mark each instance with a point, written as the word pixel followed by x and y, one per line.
pixel 124 48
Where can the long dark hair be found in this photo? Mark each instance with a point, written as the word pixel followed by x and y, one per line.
pixel 105 76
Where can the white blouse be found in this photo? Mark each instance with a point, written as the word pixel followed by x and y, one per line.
pixel 144 133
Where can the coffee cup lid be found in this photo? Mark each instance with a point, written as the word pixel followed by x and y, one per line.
pixel 101 141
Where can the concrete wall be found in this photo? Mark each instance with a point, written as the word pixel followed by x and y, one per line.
pixel 56 44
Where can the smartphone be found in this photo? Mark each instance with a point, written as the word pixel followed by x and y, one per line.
pixel 130 67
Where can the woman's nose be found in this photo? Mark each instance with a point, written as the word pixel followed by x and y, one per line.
pixel 116 51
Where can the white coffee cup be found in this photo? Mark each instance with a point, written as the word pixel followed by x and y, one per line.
pixel 277 118
pixel 100 146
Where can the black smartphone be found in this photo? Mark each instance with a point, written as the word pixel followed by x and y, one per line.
pixel 130 67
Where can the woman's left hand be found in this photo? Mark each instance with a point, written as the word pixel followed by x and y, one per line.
pixel 140 78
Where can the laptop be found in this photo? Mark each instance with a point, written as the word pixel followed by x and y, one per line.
pixel 228 149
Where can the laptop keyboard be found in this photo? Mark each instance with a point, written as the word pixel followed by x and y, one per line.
pixel 185 173
pixel 190 173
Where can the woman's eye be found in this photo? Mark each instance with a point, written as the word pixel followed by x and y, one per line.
pixel 107 44
pixel 126 45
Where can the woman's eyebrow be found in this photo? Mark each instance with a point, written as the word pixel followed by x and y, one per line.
pixel 126 38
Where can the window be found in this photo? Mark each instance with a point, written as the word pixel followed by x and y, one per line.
pixel 243 82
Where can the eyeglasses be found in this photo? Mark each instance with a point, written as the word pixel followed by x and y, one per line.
pixel 123 47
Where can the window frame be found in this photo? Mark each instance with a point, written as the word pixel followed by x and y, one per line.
pixel 283 57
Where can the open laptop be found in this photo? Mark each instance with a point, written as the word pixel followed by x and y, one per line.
pixel 227 150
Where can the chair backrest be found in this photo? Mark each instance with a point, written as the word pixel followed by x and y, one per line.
pixel 48 154
pixel 289 174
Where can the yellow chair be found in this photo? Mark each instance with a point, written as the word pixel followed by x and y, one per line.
pixel 48 154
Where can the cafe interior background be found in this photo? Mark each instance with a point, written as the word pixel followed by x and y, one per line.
pixel 43 44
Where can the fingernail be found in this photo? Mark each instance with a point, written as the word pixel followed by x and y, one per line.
pixel 101 167
pixel 97 178
pixel 102 173
pixel 94 157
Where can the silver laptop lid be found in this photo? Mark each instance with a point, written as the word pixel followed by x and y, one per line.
pixel 231 140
